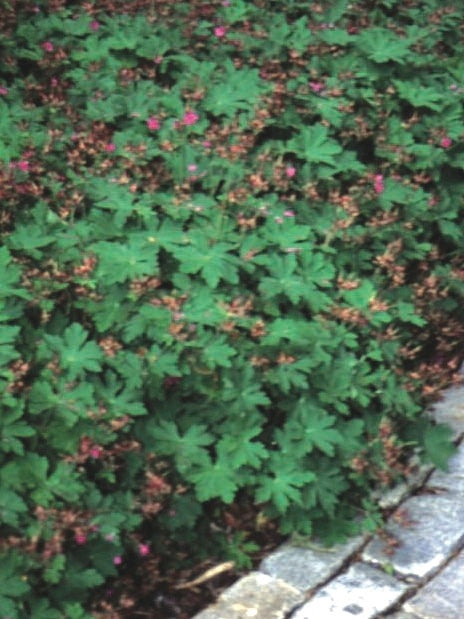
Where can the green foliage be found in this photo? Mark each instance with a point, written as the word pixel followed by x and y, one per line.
pixel 231 274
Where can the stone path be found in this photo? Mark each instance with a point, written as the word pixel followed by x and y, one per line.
pixel 423 578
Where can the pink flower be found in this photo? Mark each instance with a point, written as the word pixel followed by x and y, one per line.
pixel 192 167
pixel 96 452
pixel 153 123
pixel 110 148
pixel 316 86
pixel 23 165
pixel 206 144
pixel 190 118
pixel 117 560
pixel 48 46
pixel 54 82
pixel 94 25
pixel 3 90
pixel 378 183
pixel 289 214
pixel 220 31
pixel 110 537
pixel 278 220
pixel 144 550
pixel 80 539
pixel 290 171
pixel 446 142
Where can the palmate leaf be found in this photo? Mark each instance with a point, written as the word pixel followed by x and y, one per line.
pixel 111 197
pixel 238 90
pixel 188 448
pixel 292 329
pixel 118 398
pixel 12 430
pixel 29 238
pixel 242 450
pixel 328 487
pixel 7 338
pixel 382 45
pixel 360 297
pixel 242 391
pixel 283 486
pixel 118 262
pixel 313 429
pixel 286 235
pixel 218 353
pixel 419 95
pixel 438 445
pixel 283 280
pixel 292 375
pixel 149 321
pixel 11 506
pixel 76 354
pixel 314 145
pixel 215 480
pixel 214 262
pixel 11 275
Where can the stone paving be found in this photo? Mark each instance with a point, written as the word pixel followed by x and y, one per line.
pixel 419 576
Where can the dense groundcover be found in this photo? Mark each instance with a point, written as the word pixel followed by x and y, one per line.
pixel 232 275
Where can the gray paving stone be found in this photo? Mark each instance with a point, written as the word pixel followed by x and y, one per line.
pixel 450 409
pixel 305 568
pixel 256 596
pixel 443 596
pixel 401 614
pixel 361 592
pixel 392 498
pixel 435 530
pixel 452 480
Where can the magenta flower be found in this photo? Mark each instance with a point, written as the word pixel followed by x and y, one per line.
pixel 96 452
pixel 446 142
pixel 290 171
pixel 144 550
pixel 48 46
pixel 80 539
pixel 192 167
pixel 378 183
pixel 316 86
pixel 190 118
pixel 94 25
pixel 206 143
pixel 110 148
pixel 220 31
pixel 153 123
pixel 289 214
pixel 117 560
pixel 23 165
pixel 3 90
pixel 158 59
